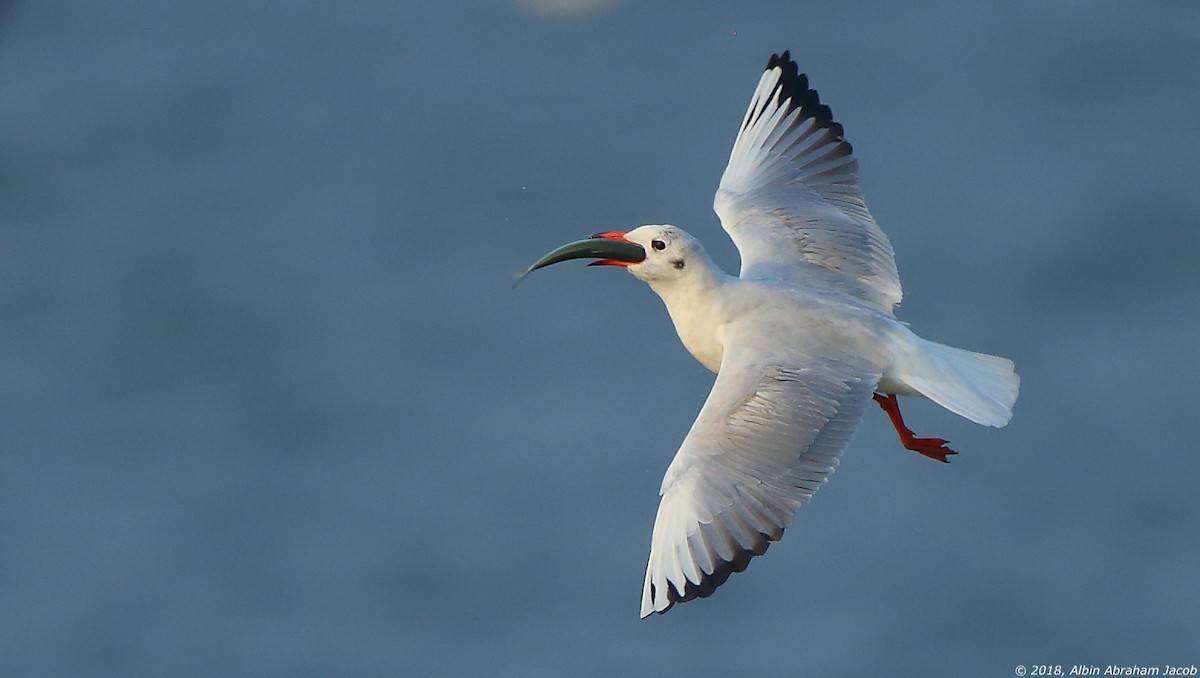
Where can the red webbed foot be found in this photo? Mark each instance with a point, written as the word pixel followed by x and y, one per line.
pixel 934 448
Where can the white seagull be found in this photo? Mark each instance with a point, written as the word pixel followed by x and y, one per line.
pixel 801 340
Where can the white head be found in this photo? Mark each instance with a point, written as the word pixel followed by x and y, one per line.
pixel 671 254
pixel 658 254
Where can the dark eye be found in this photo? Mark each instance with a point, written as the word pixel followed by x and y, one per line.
pixel 658 245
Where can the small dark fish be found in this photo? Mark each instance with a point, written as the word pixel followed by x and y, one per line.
pixel 604 249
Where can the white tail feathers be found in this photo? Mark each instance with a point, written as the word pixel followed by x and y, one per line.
pixel 977 386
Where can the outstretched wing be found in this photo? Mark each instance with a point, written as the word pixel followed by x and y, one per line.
pixel 768 436
pixel 790 198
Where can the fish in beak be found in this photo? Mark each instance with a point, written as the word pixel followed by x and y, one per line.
pixel 609 249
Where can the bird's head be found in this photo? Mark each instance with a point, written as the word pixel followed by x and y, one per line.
pixel 653 253
pixel 669 251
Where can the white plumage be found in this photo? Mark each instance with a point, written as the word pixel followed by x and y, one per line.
pixel 801 341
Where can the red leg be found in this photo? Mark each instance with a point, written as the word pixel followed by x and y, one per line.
pixel 934 448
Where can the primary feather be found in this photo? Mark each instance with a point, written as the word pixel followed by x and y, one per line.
pixel 790 200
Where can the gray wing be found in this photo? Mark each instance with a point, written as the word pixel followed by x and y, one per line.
pixel 768 436
pixel 790 198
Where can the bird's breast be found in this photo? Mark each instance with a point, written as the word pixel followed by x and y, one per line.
pixel 707 347
pixel 701 331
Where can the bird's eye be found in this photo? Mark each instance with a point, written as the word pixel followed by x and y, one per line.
pixel 658 245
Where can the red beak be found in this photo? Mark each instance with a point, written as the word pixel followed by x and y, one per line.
pixel 619 236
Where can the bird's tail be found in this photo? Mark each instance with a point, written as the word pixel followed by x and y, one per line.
pixel 977 386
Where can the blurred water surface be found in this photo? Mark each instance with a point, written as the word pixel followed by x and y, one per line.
pixel 269 406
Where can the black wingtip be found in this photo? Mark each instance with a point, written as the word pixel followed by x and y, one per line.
pixel 710 582
pixel 793 85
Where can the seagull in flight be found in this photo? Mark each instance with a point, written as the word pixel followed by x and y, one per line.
pixel 801 340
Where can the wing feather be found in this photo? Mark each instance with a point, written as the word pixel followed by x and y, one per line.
pixel 768 436
pixel 790 200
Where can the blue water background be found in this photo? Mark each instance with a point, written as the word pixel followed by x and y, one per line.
pixel 269 407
